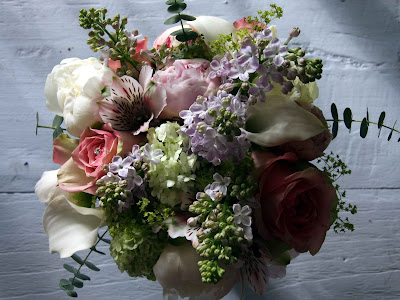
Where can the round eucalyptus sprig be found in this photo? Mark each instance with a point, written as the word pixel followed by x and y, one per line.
pixel 184 34
pixel 120 46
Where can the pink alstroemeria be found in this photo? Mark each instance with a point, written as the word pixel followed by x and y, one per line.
pixel 127 108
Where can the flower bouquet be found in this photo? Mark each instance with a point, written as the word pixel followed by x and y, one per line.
pixel 195 155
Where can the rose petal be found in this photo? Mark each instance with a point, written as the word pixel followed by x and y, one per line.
pixel 70 228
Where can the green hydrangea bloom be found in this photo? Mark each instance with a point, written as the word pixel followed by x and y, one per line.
pixel 136 249
pixel 174 175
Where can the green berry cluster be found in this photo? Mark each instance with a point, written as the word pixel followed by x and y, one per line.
pixel 308 70
pixel 111 194
pixel 225 122
pixel 120 46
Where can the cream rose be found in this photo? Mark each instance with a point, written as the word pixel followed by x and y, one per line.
pixel 72 89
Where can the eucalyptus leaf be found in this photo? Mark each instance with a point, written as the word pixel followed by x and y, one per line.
pixel 171 2
pixel 72 294
pixel 65 285
pixel 391 132
pixel 347 117
pixel 98 251
pixel 104 240
pixel 57 121
pixel 177 8
pixel 180 31
pixel 37 121
pixel 187 17
pixel 57 132
pixel 380 122
pixel 82 276
pixel 364 128
pixel 334 112
pixel 76 258
pixel 335 128
pixel 76 283
pixel 187 37
pixel 70 268
pixel 91 266
pixel 173 20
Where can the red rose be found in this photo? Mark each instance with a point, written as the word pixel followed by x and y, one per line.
pixel 295 205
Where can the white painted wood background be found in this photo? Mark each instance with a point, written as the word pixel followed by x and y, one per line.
pixel 359 41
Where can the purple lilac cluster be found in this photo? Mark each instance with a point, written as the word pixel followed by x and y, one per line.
pixel 214 126
pixel 260 61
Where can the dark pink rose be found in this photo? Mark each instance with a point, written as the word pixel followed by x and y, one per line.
pixel 315 146
pixel 183 82
pixel 295 205
pixel 242 23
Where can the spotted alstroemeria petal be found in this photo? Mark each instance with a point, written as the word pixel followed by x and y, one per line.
pixel 125 109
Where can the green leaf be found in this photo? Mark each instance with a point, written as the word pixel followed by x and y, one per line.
pixel 76 258
pixel 57 132
pixel 82 276
pixel 171 2
pixel 335 129
pixel 37 121
pixel 57 121
pixel 380 122
pixel 364 128
pixel 65 285
pixel 107 241
pixel 82 199
pixel 97 251
pixel 180 31
pixel 367 115
pixel 70 268
pixel 72 294
pixel 177 8
pixel 76 283
pixel 187 37
pixel 348 117
pixel 187 17
pixel 172 20
pixel 391 132
pixel 91 266
pixel 334 112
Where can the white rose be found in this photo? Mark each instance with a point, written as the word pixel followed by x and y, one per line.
pixel 178 273
pixel 72 89
pixel 70 228
pixel 211 27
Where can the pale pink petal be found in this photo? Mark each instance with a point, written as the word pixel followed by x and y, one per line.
pixel 63 146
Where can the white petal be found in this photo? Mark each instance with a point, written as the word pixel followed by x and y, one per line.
pixel 47 189
pixel 236 208
pixel 71 228
pixel 280 120
pixel 211 27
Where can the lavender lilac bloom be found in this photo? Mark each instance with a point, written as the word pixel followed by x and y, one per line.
pixel 215 128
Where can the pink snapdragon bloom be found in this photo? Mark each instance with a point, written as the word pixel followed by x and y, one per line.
pixel 183 82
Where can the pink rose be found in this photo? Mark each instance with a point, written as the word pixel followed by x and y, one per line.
pixel 315 146
pixel 295 205
pixel 96 149
pixel 183 82
pixel 242 23
pixel 166 38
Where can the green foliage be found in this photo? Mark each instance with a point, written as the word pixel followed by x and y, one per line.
pixel 68 285
pixel 119 45
pixel 335 168
pixel 265 17
pixel 365 122
pixel 184 34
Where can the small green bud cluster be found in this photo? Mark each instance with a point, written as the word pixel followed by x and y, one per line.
pixel 225 122
pixel 308 70
pixel 111 193
pixel 210 271
pixel 243 188
pixel 120 46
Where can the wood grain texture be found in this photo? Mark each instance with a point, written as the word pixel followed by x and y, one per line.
pixel 359 42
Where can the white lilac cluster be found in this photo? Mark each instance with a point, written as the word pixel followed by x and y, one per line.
pixel 214 125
